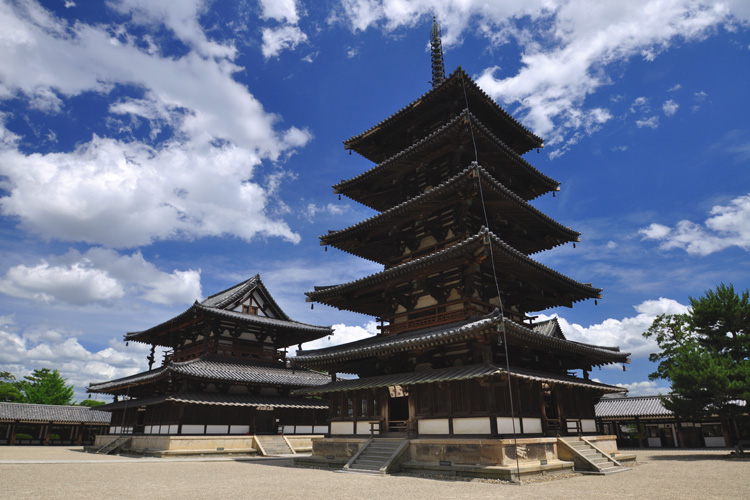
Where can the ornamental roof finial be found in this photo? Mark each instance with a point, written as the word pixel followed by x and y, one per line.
pixel 436 47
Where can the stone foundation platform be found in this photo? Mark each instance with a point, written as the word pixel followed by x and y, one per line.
pixel 506 459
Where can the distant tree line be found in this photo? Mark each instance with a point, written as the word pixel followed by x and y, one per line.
pixel 43 386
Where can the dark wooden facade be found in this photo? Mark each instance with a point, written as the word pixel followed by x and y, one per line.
pixel 458 351
pixel 224 372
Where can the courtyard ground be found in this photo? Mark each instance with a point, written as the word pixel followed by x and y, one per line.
pixel 42 473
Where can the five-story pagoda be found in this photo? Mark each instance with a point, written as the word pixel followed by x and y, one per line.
pixel 458 354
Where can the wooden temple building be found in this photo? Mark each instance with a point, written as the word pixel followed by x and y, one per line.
pixel 225 372
pixel 459 370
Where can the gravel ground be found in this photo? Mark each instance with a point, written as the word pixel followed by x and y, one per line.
pixel 42 473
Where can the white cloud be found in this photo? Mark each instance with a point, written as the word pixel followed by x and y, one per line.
pixel 640 103
pixel 100 275
pixel 626 333
pixel 727 226
pixel 21 353
pixel 674 88
pixel 645 388
pixel 280 10
pixel 122 193
pixel 74 284
pixel 581 39
pixel 670 107
pixel 181 17
pixel 342 334
pixel 282 38
pixel 652 122
pixel 655 231
pixel 329 209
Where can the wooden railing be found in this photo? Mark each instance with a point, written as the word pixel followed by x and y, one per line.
pixel 437 315
pixel 397 425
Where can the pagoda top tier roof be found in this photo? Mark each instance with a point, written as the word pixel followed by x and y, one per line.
pixel 381 345
pixel 482 244
pixel 492 152
pixel 458 87
pixel 550 232
pixel 222 307
pixel 218 370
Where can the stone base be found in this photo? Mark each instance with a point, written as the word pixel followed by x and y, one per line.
pixel 165 445
pixel 553 468
pixel 506 459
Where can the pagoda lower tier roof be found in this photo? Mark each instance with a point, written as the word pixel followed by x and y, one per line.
pixel 380 187
pixel 221 399
pixel 531 230
pixel 427 338
pixel 458 87
pixel 285 332
pixel 535 287
pixel 218 370
pixel 481 371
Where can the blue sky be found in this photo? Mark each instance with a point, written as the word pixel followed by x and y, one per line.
pixel 154 152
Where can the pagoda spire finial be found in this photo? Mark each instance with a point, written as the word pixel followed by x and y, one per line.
pixel 436 47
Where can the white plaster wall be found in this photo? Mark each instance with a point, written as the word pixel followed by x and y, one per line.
pixel 434 426
pixel 174 429
pixel 301 429
pixel 192 429
pixel 532 425
pixel 714 442
pixel 363 428
pixel 239 429
pixel 342 428
pixel 217 429
pixel 320 429
pixel 505 425
pixel 165 429
pixel 588 425
pixel 477 425
pixel 150 429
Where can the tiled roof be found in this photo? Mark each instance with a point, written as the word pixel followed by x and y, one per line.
pixel 452 374
pixel 642 406
pixel 32 413
pixel 579 291
pixel 380 345
pixel 428 143
pixel 457 76
pixel 219 399
pixel 248 319
pixel 227 297
pixel 518 206
pixel 445 334
pixel 222 370
pixel 549 328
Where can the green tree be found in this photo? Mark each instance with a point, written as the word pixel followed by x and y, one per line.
pixel 91 403
pixel 704 354
pixel 45 386
pixel 10 388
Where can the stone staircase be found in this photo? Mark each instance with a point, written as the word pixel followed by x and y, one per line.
pixel 114 445
pixel 376 456
pixel 273 446
pixel 588 458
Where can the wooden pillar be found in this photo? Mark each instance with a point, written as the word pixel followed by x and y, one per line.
pixel 638 430
pixel 12 440
pixel 411 424
pixel 81 432
pixel 47 430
